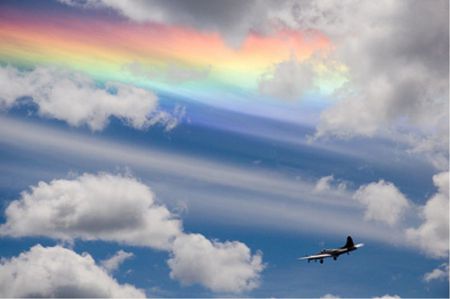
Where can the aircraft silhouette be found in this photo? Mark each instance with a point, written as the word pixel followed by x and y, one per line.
pixel 334 253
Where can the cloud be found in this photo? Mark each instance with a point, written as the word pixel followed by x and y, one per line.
pixel 114 262
pixel 439 273
pixel 383 202
pixel 329 296
pixel 221 267
pixel 248 187
pixel 329 184
pixel 432 236
pixel 92 207
pixel 91 104
pixel 292 79
pixel 168 120
pixel 398 85
pixel 58 272
pixel 324 183
pixel 121 209
pixel 288 80
pixel 233 19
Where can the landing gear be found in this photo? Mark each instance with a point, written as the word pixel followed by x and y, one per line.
pixel 321 261
pixel 334 257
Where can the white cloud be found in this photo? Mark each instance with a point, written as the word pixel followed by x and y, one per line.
pixel 388 297
pixel 398 85
pixel 383 202
pixel 92 207
pixel 221 267
pixel 168 120
pixel 324 183
pixel 331 185
pixel 432 236
pixel 329 296
pixel 114 262
pixel 439 273
pixel 58 272
pixel 122 209
pixel 53 90
pixel 289 79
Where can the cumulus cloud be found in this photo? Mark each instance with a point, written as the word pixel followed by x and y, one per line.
pixel 59 272
pixel 289 79
pixel 114 262
pixel 396 81
pixel 383 202
pixel 122 209
pixel 432 236
pixel 53 90
pixel 92 207
pixel 221 267
pixel 439 273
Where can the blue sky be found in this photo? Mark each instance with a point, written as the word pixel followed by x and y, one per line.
pixel 273 179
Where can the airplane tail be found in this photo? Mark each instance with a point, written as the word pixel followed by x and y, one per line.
pixel 349 243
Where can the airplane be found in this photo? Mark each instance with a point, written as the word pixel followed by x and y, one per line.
pixel 334 253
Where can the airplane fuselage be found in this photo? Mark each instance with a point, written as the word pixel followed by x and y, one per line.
pixel 338 251
pixel 334 253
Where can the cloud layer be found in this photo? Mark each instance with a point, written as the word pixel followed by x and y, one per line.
pixel 59 272
pixel 233 19
pixel 121 209
pixel 91 104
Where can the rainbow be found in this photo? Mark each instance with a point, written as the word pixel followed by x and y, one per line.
pixel 110 48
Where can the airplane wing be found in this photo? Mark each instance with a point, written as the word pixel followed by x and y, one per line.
pixel 315 257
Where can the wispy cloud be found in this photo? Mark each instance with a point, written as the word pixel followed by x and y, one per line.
pixel 438 273
pixel 113 263
pixel 268 195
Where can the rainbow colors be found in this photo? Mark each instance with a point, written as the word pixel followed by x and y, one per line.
pixel 107 48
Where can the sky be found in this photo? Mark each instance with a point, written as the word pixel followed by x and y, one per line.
pixel 199 148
